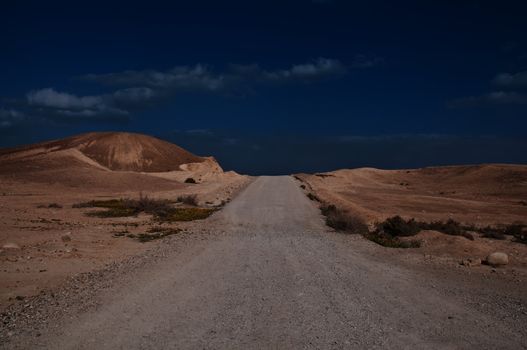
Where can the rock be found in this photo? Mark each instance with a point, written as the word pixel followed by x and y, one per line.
pixel 66 237
pixel 497 259
pixel 10 246
pixel 471 262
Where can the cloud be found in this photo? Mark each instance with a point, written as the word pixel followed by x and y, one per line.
pixel 51 98
pixel 139 89
pixel 318 68
pixel 493 98
pixel 511 80
pixel 197 77
pixel 202 78
pixel 52 104
pixel 10 117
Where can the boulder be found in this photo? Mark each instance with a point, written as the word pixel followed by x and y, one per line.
pixel 10 246
pixel 66 237
pixel 497 259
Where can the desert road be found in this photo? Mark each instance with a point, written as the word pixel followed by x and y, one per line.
pixel 277 278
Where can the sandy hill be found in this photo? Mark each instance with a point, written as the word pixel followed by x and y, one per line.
pixel 113 150
pixel 481 194
pixel 106 160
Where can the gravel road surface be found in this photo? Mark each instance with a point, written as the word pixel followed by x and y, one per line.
pixel 275 277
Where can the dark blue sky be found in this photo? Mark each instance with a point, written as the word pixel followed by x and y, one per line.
pixel 274 86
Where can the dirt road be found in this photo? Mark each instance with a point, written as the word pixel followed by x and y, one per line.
pixel 276 277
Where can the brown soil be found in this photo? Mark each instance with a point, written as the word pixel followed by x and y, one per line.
pixel 67 172
pixel 481 195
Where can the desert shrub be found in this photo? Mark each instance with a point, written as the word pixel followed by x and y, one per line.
pixel 303 187
pixel 186 214
pixel 342 221
pixel 450 227
pixel 521 237
pixel 386 240
pixel 190 181
pixel 127 207
pixel 50 205
pixel 313 197
pixel 514 229
pixel 397 226
pixel 113 213
pixel 190 199
pixel 493 233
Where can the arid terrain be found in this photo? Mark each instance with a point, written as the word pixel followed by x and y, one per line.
pixel 44 240
pixel 491 195
pixel 115 240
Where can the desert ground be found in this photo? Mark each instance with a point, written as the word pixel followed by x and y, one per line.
pixel 263 270
pixel 44 240
pixel 479 195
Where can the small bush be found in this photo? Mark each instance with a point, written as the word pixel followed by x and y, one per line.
pixel 343 221
pixel 313 197
pixel 190 181
pixel 112 213
pixel 386 240
pixel 450 227
pixel 514 229
pixel 397 226
pixel 303 186
pixel 186 214
pixel 127 207
pixel 190 199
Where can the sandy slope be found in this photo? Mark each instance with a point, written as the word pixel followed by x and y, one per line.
pixel 481 195
pixel 273 276
pixel 76 170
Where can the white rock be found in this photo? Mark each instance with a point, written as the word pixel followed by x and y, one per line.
pixel 497 259
pixel 10 246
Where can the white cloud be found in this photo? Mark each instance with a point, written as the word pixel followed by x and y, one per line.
pixel 54 99
pixel 318 68
pixel 182 77
pixel 511 80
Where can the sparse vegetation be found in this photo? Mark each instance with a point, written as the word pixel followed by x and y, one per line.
pixel 398 227
pixel 154 233
pixel 190 181
pixel 160 208
pixel 343 221
pixel 186 214
pixel 313 197
pixel 190 199
pixel 386 240
pixel 127 207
